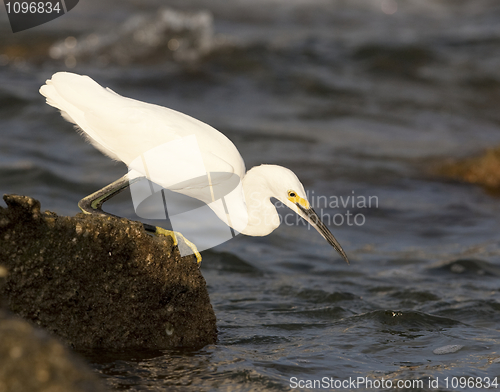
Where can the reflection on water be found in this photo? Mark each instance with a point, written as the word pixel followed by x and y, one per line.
pixel 353 96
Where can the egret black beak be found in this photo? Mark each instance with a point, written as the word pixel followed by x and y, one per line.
pixel 314 220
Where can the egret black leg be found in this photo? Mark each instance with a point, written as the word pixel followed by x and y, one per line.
pixel 92 204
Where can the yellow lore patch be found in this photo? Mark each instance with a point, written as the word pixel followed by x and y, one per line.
pixel 296 199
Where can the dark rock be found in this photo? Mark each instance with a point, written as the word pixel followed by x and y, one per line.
pixel 482 170
pixel 101 281
pixel 33 361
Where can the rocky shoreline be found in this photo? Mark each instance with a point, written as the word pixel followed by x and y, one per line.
pixel 98 282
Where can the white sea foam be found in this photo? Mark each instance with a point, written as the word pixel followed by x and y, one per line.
pixel 450 348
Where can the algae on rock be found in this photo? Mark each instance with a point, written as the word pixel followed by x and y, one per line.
pixel 101 281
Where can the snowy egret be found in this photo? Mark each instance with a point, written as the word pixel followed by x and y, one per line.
pixel 125 129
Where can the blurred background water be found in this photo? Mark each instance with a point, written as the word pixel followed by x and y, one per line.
pixel 359 98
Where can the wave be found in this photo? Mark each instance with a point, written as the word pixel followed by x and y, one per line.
pixel 471 268
pixel 147 38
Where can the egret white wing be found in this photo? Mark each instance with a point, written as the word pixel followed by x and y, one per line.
pixel 125 128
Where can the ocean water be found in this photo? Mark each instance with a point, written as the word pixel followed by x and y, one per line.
pixel 361 99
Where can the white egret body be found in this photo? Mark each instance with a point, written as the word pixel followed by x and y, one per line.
pixel 125 129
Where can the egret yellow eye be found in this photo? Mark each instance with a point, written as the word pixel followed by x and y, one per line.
pixel 291 194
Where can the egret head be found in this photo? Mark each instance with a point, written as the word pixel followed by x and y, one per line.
pixel 289 190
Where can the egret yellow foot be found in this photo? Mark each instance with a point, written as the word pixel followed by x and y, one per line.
pixel 174 235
